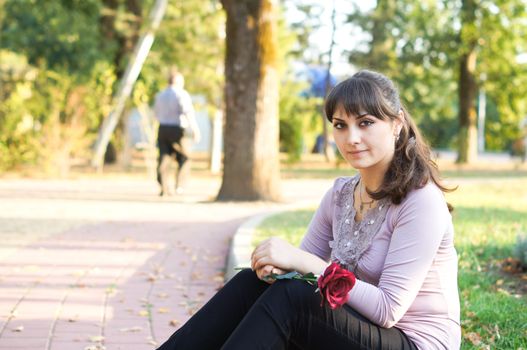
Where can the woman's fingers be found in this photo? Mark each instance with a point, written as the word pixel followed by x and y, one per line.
pixel 273 251
pixel 264 274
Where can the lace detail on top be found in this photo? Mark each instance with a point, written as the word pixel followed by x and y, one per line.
pixel 351 239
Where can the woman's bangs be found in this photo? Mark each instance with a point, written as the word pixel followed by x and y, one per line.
pixel 356 97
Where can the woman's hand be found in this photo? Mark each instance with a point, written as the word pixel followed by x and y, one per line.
pixel 265 272
pixel 274 252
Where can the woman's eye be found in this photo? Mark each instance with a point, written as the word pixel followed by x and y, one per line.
pixel 366 122
pixel 338 125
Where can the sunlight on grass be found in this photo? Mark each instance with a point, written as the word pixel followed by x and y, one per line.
pixel 489 214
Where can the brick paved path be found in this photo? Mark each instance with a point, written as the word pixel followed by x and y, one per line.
pixel 106 264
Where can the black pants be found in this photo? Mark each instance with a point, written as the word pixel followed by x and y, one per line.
pixel 250 314
pixel 171 146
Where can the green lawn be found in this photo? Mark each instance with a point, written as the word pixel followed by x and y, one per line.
pixel 489 213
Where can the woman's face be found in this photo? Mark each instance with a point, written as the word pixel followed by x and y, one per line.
pixel 366 142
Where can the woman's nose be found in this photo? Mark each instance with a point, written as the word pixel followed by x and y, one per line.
pixel 353 136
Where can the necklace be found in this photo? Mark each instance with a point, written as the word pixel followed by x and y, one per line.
pixel 362 203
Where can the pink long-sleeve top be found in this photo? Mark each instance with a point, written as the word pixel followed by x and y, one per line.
pixel 403 257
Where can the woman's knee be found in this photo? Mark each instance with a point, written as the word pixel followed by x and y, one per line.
pixel 245 276
pixel 298 294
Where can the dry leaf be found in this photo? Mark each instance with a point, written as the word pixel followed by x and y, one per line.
pixel 152 342
pixel 95 347
pixel 96 338
pixel 174 323
pixel 143 313
pixel 132 329
pixel 218 279
pixel 162 295
pixel 474 338
pixel 163 310
pixel 196 276
pixel 151 278
pixel 471 314
pixel 18 329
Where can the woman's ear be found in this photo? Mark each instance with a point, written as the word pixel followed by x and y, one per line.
pixel 398 124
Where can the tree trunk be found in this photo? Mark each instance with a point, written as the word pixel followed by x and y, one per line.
pixel 126 84
pixel 468 138
pixel 468 141
pixel 329 152
pixel 251 163
pixel 125 40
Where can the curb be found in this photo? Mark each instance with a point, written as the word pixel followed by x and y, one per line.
pixel 240 249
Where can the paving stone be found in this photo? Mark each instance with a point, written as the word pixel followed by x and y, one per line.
pixel 77 255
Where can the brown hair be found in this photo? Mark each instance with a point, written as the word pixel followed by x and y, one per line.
pixel 412 166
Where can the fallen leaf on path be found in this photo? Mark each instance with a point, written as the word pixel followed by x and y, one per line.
pixel 174 323
pixel 152 278
pixel 18 329
pixel 218 278
pixel 131 329
pixel 143 313
pixel 162 295
pixel 163 310
pixel 196 275
pixel 95 347
pixel 96 338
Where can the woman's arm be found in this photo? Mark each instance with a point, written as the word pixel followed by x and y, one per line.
pixel 419 228
pixel 314 250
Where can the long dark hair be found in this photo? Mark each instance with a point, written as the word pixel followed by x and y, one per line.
pixel 412 166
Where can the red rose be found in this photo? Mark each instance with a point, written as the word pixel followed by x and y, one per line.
pixel 335 284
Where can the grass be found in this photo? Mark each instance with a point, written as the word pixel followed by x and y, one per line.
pixel 490 211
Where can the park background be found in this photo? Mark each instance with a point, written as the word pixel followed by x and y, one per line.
pixel 77 79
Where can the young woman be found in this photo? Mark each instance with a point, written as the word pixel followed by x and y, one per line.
pixel 389 225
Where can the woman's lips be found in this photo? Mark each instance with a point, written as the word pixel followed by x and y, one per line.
pixel 356 153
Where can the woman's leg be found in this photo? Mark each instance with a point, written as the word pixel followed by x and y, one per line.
pixel 215 321
pixel 288 315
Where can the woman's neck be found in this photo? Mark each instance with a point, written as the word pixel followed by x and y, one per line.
pixel 372 180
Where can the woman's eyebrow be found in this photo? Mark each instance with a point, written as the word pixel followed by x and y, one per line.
pixel 336 117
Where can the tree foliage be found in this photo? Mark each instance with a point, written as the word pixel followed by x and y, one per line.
pixel 60 53
pixel 419 45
